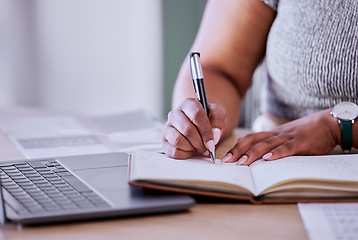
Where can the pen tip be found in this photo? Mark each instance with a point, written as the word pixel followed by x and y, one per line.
pixel 212 155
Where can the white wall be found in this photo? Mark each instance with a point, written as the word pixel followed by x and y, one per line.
pixel 6 86
pixel 94 56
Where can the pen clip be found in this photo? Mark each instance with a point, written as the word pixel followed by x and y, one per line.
pixel 198 79
pixel 194 84
pixel 195 66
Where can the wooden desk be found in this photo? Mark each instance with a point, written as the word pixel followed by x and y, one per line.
pixel 204 221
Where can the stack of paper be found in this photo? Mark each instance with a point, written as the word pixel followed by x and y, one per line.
pixel 64 135
pixel 330 221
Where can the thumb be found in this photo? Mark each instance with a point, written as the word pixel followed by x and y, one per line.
pixel 218 120
pixel 217 132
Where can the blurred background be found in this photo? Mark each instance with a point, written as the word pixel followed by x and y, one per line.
pixel 94 56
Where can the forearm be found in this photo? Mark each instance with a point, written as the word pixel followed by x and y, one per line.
pixel 325 118
pixel 231 40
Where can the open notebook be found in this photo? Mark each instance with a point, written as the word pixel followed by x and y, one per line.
pixel 292 179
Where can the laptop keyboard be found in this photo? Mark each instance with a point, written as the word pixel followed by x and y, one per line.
pixel 45 186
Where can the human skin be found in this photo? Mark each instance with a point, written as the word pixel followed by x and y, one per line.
pixel 232 39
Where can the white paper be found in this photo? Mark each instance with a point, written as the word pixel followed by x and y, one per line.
pixel 64 135
pixel 330 221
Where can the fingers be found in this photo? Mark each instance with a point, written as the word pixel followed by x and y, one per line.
pixel 242 147
pixel 265 148
pixel 266 145
pixel 183 132
pixel 218 120
pixel 217 133
pixel 174 139
pixel 197 116
pixel 289 148
pixel 174 152
pixel 189 130
pixel 310 135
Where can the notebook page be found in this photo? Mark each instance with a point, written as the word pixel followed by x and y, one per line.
pixel 330 167
pixel 149 165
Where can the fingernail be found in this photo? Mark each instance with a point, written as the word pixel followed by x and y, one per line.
pixel 206 152
pixel 210 146
pixel 217 135
pixel 227 157
pixel 242 160
pixel 267 156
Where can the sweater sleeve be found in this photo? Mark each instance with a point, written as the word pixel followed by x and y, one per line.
pixel 272 3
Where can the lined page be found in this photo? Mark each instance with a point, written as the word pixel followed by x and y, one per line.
pixel 149 165
pixel 329 167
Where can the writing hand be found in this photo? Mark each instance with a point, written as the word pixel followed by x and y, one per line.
pixel 311 135
pixel 189 131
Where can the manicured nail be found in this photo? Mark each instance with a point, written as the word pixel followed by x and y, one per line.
pixel 206 152
pixel 227 157
pixel 242 160
pixel 217 135
pixel 210 146
pixel 267 156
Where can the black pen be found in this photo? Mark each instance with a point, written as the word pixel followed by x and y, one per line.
pixel 198 82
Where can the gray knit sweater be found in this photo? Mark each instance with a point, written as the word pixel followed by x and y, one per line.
pixel 311 56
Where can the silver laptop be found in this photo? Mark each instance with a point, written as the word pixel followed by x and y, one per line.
pixel 77 188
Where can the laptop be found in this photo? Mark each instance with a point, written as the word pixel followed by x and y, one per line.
pixel 71 188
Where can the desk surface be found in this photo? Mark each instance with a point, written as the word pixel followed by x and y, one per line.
pixel 204 221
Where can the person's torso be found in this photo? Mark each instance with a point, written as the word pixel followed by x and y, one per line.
pixel 312 56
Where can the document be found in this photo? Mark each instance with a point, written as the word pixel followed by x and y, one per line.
pixel 65 135
pixel 330 221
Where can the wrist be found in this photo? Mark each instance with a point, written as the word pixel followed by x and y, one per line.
pixel 334 126
pixel 346 113
pixel 355 134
